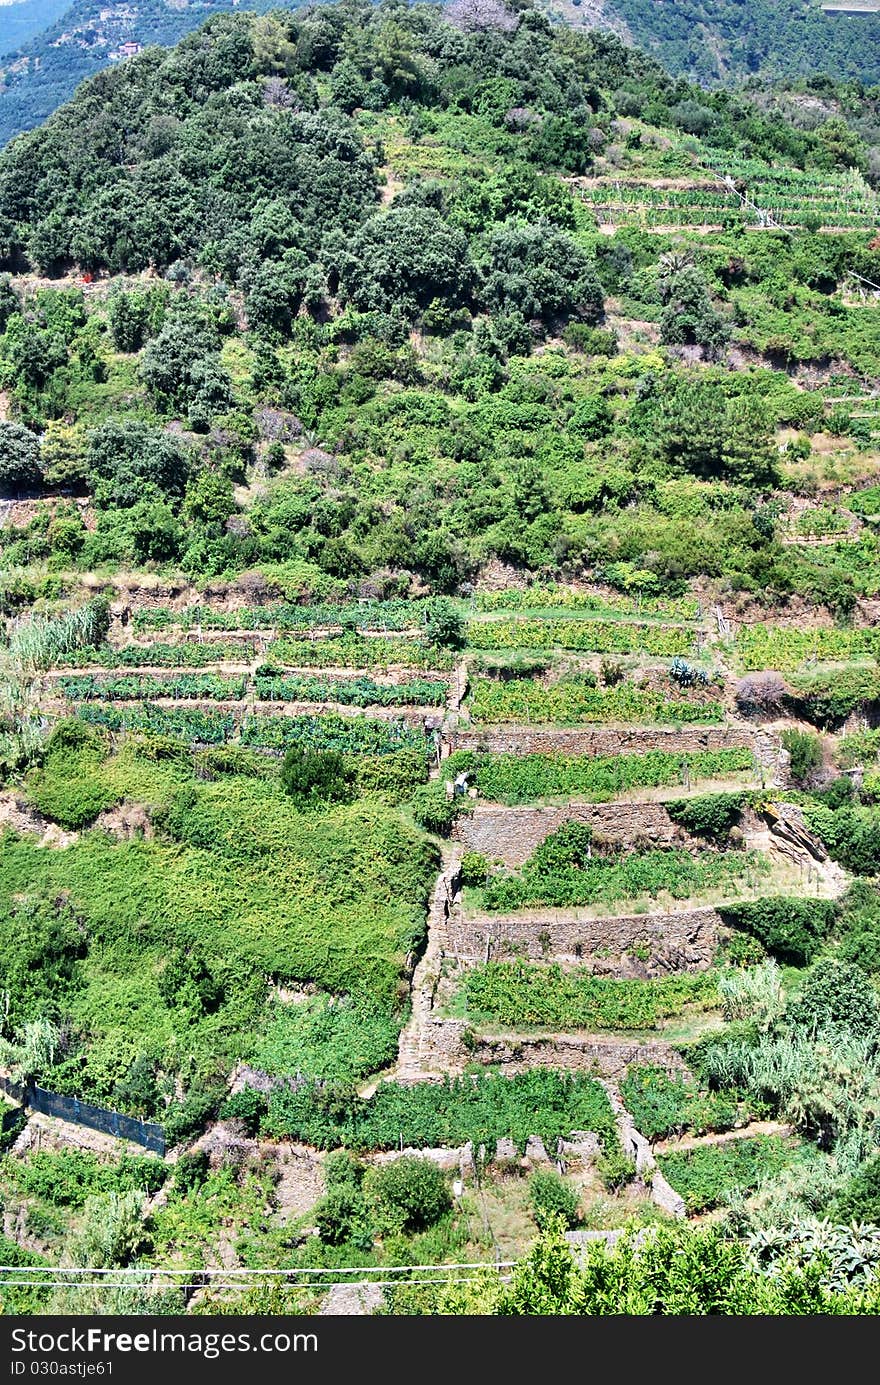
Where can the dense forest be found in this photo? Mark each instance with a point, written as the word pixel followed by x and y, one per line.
pixel 439 674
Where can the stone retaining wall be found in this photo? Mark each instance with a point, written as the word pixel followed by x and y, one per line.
pixel 444 1050
pixel 633 945
pixel 580 740
pixel 511 834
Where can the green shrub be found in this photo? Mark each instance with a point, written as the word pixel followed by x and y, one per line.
pixel 805 751
pixel 434 811
pixel 313 777
pixel 859 1199
pixel 836 995
pixel 664 1104
pixel 342 1216
pixel 409 1194
pixel 550 1196
pixel 474 868
pixel 615 1169
pixel 705 1175
pixel 248 1106
pixel 190 1172
pixel 711 815
pixel 790 929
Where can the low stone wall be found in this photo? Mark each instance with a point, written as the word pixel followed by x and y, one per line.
pixel 511 834
pixel 633 945
pixel 581 740
pixel 605 1057
pixel 444 1051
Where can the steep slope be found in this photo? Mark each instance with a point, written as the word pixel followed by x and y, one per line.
pixel 386 404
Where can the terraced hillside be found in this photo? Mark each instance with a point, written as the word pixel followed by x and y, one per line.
pixel 440 673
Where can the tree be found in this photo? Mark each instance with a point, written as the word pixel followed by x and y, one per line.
pixel 402 260
pixel 9 303
pixel 209 499
pixel 123 459
pixel 541 273
pixel 444 623
pixel 699 429
pixel 409 1194
pixel 134 316
pixel 20 468
pixel 181 369
pixel 689 316
pixel 274 291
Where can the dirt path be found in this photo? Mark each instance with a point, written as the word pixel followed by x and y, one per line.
pixel 723 1137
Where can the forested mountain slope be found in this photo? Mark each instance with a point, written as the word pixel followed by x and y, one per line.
pixel 717 40
pixel 42 63
pixel 23 19
pixel 710 41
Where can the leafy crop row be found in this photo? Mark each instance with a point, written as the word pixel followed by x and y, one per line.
pixel 363 615
pixel 182 723
pixel 272 686
pixel 483 1110
pixel 785 648
pixel 705 1175
pixel 86 687
pixel 160 655
pixel 353 651
pixel 607 880
pixel 349 735
pixel 547 595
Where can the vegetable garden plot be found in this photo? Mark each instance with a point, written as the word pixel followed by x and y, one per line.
pixel 610 880
pixel 706 1174
pixel 351 735
pixel 483 1110
pixel 160 655
pixel 546 595
pixel 137 688
pixel 540 996
pixel 368 615
pixel 272 686
pixel 358 652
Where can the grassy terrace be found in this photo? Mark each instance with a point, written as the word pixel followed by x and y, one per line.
pixel 532 996
pixel 520 779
